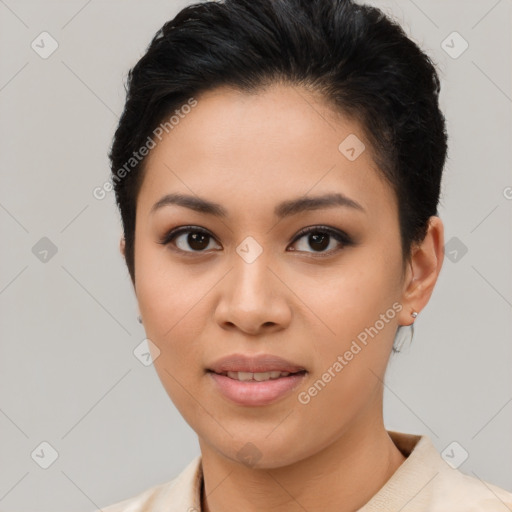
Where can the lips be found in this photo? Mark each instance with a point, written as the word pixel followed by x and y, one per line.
pixel 256 377
pixel 259 364
pixel 254 393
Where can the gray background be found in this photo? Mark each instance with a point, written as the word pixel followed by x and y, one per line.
pixel 68 375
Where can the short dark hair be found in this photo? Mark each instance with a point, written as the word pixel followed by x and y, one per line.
pixel 359 60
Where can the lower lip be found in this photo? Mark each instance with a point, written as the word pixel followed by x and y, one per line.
pixel 256 393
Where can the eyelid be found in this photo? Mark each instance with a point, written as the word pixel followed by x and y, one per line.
pixel 336 233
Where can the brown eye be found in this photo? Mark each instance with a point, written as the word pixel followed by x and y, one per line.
pixel 318 241
pixel 187 238
pixel 197 241
pixel 321 238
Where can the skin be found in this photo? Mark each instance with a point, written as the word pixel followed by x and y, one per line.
pixel 249 153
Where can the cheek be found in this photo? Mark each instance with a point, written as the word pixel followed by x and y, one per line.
pixel 170 303
pixel 350 364
pixel 345 300
pixel 164 291
pixel 172 311
pixel 356 318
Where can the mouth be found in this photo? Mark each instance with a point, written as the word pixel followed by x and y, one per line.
pixel 258 376
pixel 255 379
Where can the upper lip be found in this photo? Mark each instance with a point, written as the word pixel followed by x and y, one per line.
pixel 254 364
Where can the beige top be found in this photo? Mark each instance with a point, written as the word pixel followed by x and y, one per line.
pixel 424 482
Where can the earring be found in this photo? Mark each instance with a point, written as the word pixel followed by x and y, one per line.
pixel 404 335
pixel 139 319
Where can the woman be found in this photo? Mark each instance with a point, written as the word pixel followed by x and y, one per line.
pixel 278 167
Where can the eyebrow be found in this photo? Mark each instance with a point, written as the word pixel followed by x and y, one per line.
pixel 284 209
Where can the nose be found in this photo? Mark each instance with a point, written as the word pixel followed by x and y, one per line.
pixel 253 299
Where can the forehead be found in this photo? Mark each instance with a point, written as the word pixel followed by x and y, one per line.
pixel 252 151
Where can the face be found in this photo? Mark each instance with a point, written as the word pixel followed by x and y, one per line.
pixel 251 282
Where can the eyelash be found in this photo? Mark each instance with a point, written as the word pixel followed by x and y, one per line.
pixel 339 236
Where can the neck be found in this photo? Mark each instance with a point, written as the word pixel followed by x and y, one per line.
pixel 342 477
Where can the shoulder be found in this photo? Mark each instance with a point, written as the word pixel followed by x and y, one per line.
pixel 142 501
pixel 427 481
pixel 455 490
pixel 181 493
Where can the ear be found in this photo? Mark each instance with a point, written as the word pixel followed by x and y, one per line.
pixel 426 262
pixel 122 250
pixel 122 246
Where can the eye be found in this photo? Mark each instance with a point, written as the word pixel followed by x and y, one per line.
pixel 191 236
pixel 320 237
